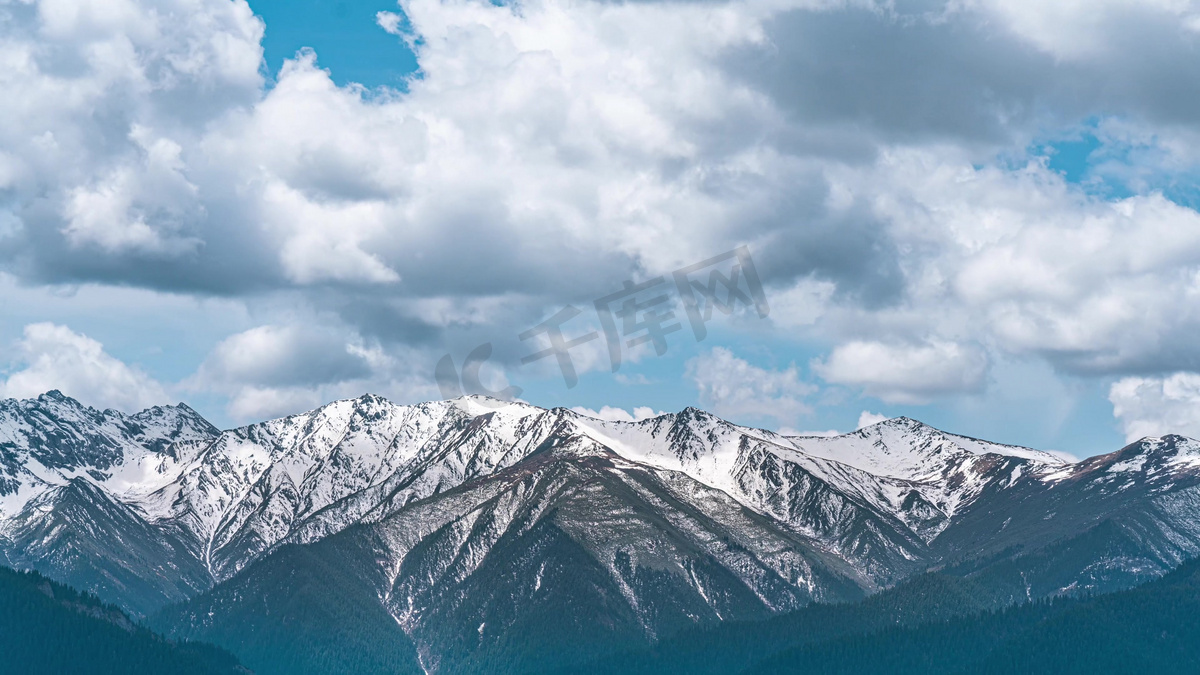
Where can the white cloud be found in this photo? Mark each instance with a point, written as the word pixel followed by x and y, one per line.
pixel 1028 265
pixel 899 373
pixel 513 152
pixel 253 404
pixel 554 119
pixel 286 355
pixel 276 370
pixel 828 433
pixel 1157 406
pixel 1082 30
pixel 116 212
pixel 734 388
pixel 553 149
pixel 867 418
pixel 619 414
pixel 55 357
pixel 107 140
pixel 803 304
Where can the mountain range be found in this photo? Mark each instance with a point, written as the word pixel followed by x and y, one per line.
pixel 474 535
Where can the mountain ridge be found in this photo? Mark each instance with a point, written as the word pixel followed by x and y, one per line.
pixel 677 520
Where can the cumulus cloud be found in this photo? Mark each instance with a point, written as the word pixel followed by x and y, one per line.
pixel 307 183
pixel 329 184
pixel 867 418
pixel 106 103
pixel 253 404
pixel 874 156
pixel 1157 406
pixel 285 356
pixel 276 370
pixel 733 387
pixel 55 357
pixel 1020 262
pixel 900 373
pixel 619 414
pixel 609 136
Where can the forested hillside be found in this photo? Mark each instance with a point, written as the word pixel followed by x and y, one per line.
pixel 47 628
pixel 934 625
pixel 1154 628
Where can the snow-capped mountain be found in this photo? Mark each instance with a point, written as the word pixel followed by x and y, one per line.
pixel 50 439
pixel 465 518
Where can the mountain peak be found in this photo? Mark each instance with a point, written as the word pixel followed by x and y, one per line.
pixel 1170 445
pixel 901 422
pixel 692 412
pixel 370 398
pixel 475 405
pixel 56 397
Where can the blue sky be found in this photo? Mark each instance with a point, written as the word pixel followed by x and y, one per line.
pixel 983 218
pixel 345 36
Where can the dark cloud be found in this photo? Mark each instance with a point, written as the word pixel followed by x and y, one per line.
pixel 853 249
pixel 896 79
pixel 919 75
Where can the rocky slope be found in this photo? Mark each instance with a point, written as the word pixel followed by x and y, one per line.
pixel 470 519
